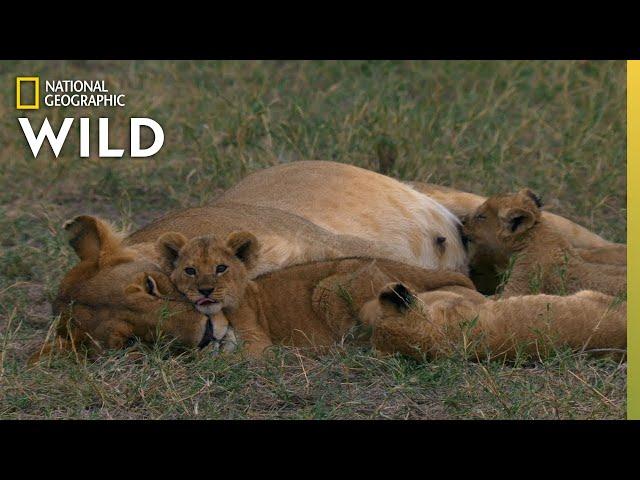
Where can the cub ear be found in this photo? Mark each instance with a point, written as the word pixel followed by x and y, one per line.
pixel 245 246
pixel 168 247
pixel 156 284
pixel 530 194
pixel 91 237
pixel 397 296
pixel 516 220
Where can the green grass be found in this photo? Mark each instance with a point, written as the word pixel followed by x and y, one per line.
pixel 486 127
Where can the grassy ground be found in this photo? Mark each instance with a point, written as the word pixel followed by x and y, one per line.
pixel 557 127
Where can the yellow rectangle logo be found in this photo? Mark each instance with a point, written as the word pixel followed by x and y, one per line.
pixel 36 95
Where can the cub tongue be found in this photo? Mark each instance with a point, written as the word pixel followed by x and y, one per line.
pixel 204 301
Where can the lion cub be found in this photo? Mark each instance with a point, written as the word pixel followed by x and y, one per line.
pixel 211 273
pixel 509 231
pixel 456 320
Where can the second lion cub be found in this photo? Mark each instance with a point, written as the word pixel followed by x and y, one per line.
pixel 510 231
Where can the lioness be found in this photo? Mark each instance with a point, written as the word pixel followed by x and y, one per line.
pixel 118 291
pixel 510 228
pixel 362 210
pixel 320 303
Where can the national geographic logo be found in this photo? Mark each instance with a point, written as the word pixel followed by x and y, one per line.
pixel 81 94
pixel 35 104
pixel 67 93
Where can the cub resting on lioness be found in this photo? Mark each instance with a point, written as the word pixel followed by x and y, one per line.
pixel 510 228
pixel 369 300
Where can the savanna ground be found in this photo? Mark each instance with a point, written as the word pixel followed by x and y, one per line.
pixel 485 127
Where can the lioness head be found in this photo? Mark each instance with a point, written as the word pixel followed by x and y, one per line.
pixel 115 295
pixel 212 273
pixel 501 224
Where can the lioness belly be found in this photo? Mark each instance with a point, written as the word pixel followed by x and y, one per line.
pixel 349 200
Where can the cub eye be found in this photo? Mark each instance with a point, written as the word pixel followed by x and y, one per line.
pixel 190 271
pixel 130 342
pixel 221 268
pixel 480 216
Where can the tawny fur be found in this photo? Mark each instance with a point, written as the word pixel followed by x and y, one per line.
pixel 366 214
pixel 316 304
pixel 107 295
pixel 113 296
pixel 610 255
pixel 463 204
pixel 345 199
pixel 192 266
pixel 457 321
pixel 320 303
pixel 510 232
pixel 588 245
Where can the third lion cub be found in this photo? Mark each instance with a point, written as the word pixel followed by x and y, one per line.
pixel 534 257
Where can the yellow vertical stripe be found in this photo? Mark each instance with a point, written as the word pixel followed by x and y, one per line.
pixel 633 239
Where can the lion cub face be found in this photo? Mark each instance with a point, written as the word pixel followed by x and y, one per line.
pixel 210 272
pixel 501 224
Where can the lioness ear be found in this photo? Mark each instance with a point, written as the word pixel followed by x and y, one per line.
pixel 168 247
pixel 396 296
pixel 515 220
pixel 91 237
pixel 245 246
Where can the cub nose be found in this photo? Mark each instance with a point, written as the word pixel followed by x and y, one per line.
pixel 205 291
